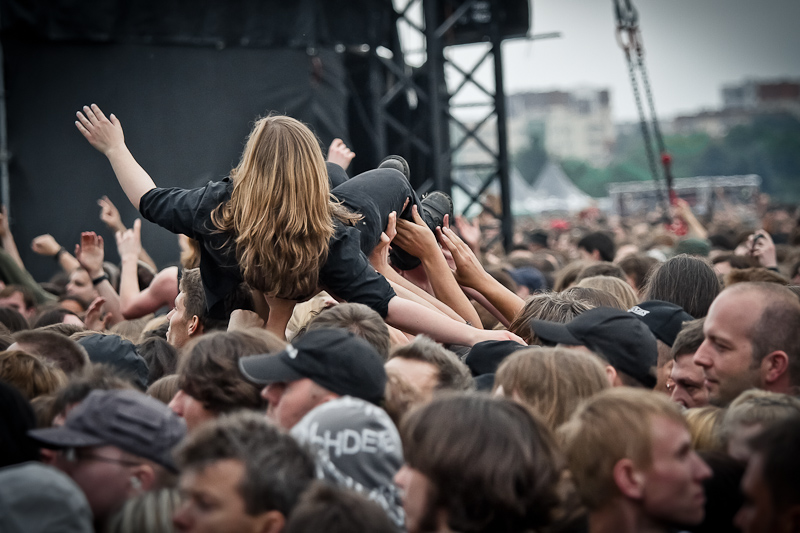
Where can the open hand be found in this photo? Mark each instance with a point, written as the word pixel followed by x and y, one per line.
pixel 90 253
pixel 105 134
pixel 339 153
pixel 468 272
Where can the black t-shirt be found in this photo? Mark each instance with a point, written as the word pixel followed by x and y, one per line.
pixel 347 273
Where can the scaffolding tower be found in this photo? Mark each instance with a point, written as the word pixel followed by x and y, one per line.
pixel 460 109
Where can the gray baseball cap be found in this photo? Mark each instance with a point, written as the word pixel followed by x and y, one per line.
pixel 127 419
pixel 35 498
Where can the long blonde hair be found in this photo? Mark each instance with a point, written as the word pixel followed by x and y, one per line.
pixel 623 292
pixel 551 381
pixel 280 211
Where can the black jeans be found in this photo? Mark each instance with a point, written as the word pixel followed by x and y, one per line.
pixel 374 194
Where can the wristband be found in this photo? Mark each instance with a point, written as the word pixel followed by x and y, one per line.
pixel 100 279
pixel 59 252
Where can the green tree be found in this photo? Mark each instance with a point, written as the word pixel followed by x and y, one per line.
pixel 769 146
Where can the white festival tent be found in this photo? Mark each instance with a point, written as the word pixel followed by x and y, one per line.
pixel 552 191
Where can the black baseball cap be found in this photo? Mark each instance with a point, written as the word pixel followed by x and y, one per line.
pixel 619 337
pixel 334 359
pixel 127 419
pixel 664 319
pixel 486 356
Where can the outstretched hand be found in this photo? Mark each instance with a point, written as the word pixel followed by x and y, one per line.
pixel 379 258
pixel 415 237
pixel 105 134
pixel 109 214
pixel 499 335
pixel 339 153
pixel 129 241
pixel 761 246
pixel 468 272
pixel 45 245
pixel 90 253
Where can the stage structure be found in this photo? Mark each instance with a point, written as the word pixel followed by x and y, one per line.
pixel 445 105
pixel 187 79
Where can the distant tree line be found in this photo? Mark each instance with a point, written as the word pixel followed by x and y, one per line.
pixel 769 146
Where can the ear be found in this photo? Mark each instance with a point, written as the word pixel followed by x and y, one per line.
pixel 629 479
pixel 146 476
pixel 774 366
pixel 47 456
pixel 328 397
pixel 194 326
pixel 270 522
pixel 613 379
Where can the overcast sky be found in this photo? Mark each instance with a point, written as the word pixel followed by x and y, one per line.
pixel 692 48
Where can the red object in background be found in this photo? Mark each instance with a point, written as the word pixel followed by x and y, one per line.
pixel 678 226
pixel 559 224
pixel 589 213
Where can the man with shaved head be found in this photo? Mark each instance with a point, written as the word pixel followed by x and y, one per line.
pixel 752 339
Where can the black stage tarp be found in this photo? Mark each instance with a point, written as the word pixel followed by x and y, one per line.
pixel 243 23
pixel 186 79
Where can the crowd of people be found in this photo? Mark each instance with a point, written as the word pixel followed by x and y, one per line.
pixel 339 354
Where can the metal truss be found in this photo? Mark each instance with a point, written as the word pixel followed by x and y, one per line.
pixel 457 106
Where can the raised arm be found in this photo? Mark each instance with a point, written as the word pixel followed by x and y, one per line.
pixel 416 319
pixel 470 273
pixel 105 134
pixel 135 303
pixel 90 253
pixel 404 288
pixel 47 245
pixel 418 240
pixel 7 238
pixel 110 216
